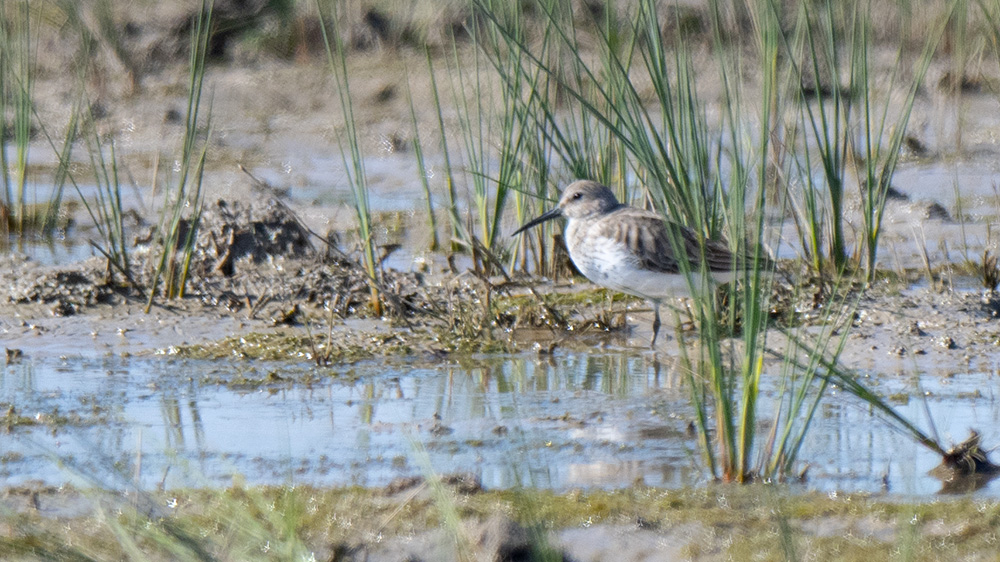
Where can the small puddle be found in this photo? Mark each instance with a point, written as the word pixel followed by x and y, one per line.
pixel 610 419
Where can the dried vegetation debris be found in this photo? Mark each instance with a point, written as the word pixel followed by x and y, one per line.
pixel 258 259
pixel 968 457
pixel 966 467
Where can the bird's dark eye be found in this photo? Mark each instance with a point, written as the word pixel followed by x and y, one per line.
pixel 577 195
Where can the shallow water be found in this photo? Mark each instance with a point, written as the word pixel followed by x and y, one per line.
pixel 49 251
pixel 608 419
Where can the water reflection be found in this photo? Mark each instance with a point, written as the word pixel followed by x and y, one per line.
pixel 571 420
pixel 48 250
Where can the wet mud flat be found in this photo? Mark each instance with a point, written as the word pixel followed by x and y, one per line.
pixel 586 410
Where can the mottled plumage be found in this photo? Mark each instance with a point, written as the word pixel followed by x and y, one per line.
pixel 628 249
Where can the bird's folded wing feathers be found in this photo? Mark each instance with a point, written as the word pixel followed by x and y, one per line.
pixel 645 235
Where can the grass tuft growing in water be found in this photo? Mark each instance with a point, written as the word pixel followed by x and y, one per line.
pixel 181 215
pixel 350 152
pixel 18 52
pixel 837 124
pixel 106 211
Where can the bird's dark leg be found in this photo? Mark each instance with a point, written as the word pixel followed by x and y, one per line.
pixel 656 322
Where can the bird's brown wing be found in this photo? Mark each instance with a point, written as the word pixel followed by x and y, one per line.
pixel 645 234
pixel 717 252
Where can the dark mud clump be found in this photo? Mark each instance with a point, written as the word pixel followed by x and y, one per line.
pixel 245 254
pixel 237 232
pixel 64 291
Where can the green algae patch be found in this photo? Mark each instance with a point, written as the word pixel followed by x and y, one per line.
pixel 575 309
pixel 407 517
pixel 245 382
pixel 12 418
pixel 52 418
pixel 299 347
pixel 586 296
pixel 346 345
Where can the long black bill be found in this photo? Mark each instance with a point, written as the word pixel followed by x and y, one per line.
pixel 554 213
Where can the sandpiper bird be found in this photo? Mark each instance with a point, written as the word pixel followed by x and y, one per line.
pixel 628 249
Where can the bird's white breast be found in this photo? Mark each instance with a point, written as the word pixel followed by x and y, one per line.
pixel 612 264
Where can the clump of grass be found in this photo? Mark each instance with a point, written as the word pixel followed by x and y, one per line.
pixel 838 124
pixel 106 211
pixel 301 522
pixel 989 272
pixel 62 173
pixel 20 34
pixel 878 158
pixel 459 236
pixel 17 79
pixel 178 226
pixel 491 170
pixel 350 151
pixel 238 523
pixel 418 153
